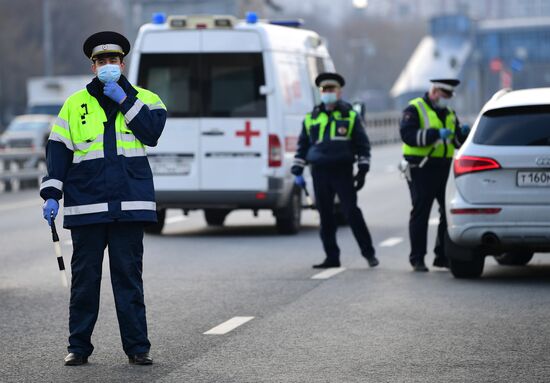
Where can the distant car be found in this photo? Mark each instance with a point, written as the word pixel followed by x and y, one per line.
pixel 498 193
pixel 28 131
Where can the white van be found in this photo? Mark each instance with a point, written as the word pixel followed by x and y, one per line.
pixel 236 94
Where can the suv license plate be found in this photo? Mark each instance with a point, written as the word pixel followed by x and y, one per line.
pixel 538 179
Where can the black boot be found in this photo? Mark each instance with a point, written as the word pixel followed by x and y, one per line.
pixel 75 359
pixel 141 359
pixel 327 264
pixel 419 265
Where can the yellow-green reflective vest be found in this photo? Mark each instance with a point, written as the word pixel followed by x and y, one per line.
pixel 338 131
pixel 80 126
pixel 428 119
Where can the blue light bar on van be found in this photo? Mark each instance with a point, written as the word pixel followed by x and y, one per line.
pixel 251 17
pixel 288 23
pixel 158 18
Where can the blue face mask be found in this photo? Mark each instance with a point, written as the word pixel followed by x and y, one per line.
pixel 108 73
pixel 329 98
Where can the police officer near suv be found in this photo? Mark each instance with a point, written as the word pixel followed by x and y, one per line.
pixel 430 131
pixel 332 139
pixel 97 162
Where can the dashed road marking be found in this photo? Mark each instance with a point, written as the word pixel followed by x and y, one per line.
pixel 433 221
pixel 228 326
pixel 328 273
pixel 391 242
pixel 178 218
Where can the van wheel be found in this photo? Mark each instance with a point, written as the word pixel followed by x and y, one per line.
pixel 156 228
pixel 288 219
pixel 215 217
pixel 464 262
pixel 514 258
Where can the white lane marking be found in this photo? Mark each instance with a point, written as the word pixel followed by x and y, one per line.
pixel 68 242
pixel 328 273
pixel 433 221
pixel 175 219
pixel 229 325
pixel 18 205
pixel 391 242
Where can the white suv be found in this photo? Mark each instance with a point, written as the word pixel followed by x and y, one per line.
pixel 498 193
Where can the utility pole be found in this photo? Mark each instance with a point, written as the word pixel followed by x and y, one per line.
pixel 47 46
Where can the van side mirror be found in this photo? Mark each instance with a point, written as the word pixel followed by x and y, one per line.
pixel 265 90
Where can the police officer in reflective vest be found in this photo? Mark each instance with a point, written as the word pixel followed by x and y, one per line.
pixel 430 131
pixel 332 139
pixel 97 162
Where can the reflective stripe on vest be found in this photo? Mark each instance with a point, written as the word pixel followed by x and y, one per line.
pixel 428 119
pixel 323 119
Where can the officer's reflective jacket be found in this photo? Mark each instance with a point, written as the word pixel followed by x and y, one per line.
pixel 96 155
pixel 336 137
pixel 419 130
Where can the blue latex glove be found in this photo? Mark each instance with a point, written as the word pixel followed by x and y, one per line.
pixel 50 206
pixel 465 129
pixel 114 92
pixel 300 181
pixel 445 133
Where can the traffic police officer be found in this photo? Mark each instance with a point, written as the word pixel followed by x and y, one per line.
pixel 96 160
pixel 430 132
pixel 332 137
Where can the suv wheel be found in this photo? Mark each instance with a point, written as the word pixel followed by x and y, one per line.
pixel 514 258
pixel 156 228
pixel 288 219
pixel 215 217
pixel 464 262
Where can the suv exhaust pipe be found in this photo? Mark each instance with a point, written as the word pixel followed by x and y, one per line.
pixel 490 239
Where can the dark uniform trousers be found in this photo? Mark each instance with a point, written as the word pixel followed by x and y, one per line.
pixel 426 185
pixel 338 180
pixel 125 243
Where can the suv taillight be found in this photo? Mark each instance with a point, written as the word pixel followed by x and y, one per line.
pixel 469 164
pixel 275 151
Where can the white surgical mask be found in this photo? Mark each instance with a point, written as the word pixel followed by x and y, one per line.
pixel 442 103
pixel 329 97
pixel 108 73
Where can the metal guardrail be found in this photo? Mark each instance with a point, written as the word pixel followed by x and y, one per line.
pixel 21 168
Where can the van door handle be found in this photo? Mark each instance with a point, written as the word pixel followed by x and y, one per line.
pixel 213 132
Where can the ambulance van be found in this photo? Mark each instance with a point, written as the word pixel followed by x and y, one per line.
pixel 236 93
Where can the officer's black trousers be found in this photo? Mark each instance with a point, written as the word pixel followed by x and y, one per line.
pixel 125 243
pixel 426 185
pixel 331 181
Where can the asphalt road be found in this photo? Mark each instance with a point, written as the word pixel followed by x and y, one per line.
pixel 386 324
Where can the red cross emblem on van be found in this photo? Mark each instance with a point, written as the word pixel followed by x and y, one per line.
pixel 247 133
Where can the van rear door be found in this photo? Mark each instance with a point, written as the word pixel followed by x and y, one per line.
pixel 234 138
pixel 175 78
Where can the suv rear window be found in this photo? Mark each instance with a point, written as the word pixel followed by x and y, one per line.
pixel 206 84
pixel 517 126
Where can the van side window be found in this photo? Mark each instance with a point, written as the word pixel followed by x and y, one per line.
pixel 206 85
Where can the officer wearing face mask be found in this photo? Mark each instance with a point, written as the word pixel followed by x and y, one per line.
pixel 332 139
pixel 430 131
pixel 97 163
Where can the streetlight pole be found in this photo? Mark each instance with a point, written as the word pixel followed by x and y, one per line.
pixel 47 45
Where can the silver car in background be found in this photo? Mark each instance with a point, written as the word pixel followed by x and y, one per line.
pixel 28 131
pixel 498 193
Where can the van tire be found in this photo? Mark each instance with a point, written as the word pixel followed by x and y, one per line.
pixel 464 262
pixel 156 228
pixel 514 258
pixel 288 219
pixel 215 217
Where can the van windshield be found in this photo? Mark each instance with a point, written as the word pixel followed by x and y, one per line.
pixel 516 126
pixel 206 84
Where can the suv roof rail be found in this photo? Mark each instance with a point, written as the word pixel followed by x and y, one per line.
pixel 500 93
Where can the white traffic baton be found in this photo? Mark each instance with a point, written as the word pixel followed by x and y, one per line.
pixel 57 248
pixel 308 197
pixel 425 159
